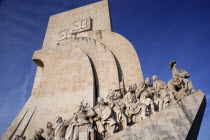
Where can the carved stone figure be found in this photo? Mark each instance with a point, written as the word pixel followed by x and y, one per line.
pixel 145 93
pixel 177 86
pixel 124 107
pixel 134 110
pixel 72 132
pixel 163 93
pixel 168 97
pixel 118 106
pixel 117 94
pixel 60 128
pixel 147 83
pixel 149 100
pixel 158 85
pixel 183 75
pixel 81 119
pixel 120 114
pixel 50 131
pixel 142 90
pixel 38 135
pixel 129 97
pixel 105 122
pixel 122 87
pixel 112 96
pixel 158 102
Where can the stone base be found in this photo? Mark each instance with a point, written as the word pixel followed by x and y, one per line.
pixel 179 121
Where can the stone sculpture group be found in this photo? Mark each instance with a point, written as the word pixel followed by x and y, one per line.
pixel 122 108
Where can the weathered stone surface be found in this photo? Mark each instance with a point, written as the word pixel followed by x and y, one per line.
pixel 177 121
pixel 126 57
pixel 103 63
pixel 57 90
pixel 82 59
pixel 72 68
pixel 99 13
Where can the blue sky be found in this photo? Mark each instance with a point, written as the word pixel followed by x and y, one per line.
pixel 160 30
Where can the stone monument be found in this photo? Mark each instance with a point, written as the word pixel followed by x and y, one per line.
pixel 89 86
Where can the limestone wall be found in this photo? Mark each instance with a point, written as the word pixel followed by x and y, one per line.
pixel 103 61
pixel 66 81
pixel 80 67
pixel 99 13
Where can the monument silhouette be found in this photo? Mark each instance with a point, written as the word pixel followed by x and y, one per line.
pixel 89 85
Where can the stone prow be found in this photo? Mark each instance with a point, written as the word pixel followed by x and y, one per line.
pixel 179 121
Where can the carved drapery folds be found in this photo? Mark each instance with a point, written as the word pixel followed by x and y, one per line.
pixel 121 108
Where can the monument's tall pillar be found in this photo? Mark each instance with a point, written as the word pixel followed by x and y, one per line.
pixel 81 59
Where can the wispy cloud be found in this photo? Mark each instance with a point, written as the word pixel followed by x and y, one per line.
pixel 24 86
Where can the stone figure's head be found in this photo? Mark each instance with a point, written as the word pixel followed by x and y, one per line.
pixel 100 100
pixel 176 81
pixel 59 119
pixel 128 89
pixel 134 86
pixel 82 108
pixel 172 64
pixel 147 81
pixel 49 125
pixel 154 77
pixel 40 131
